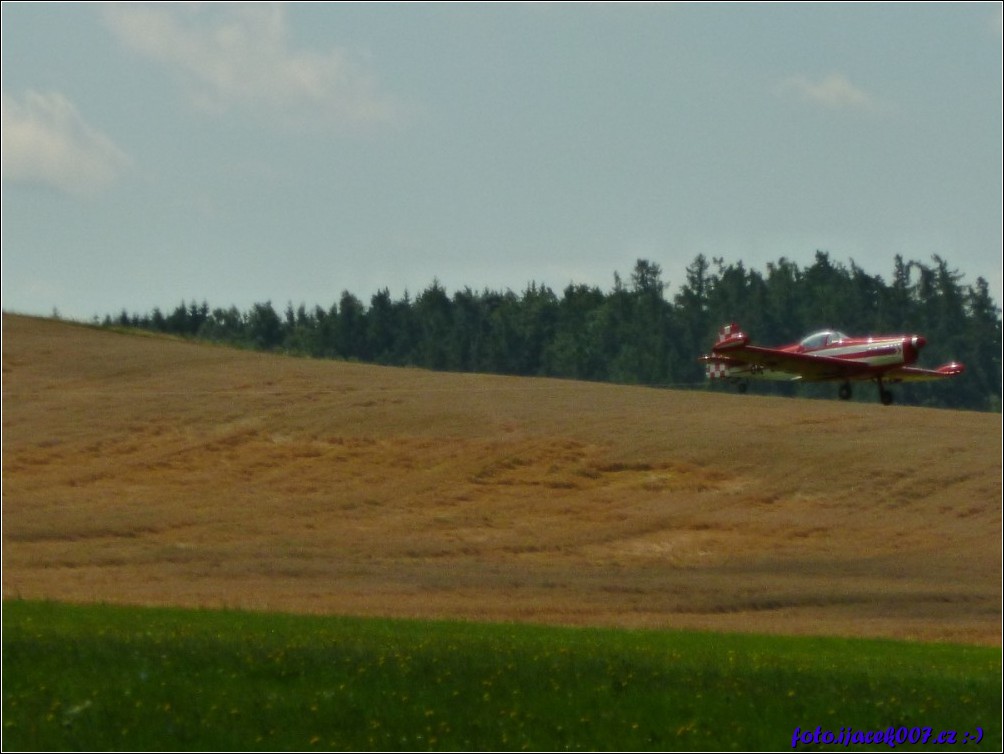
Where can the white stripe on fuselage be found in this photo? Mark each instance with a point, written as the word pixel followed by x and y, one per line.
pixel 875 353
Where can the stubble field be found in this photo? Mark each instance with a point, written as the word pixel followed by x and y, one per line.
pixel 144 470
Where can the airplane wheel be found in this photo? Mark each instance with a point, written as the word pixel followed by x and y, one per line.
pixel 845 392
pixel 886 397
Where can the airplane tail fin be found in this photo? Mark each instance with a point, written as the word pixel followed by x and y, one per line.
pixel 716 367
pixel 730 336
pixel 726 332
pixel 717 364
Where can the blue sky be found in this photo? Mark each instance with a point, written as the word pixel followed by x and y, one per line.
pixel 154 153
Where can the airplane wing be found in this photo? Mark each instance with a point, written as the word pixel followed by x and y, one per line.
pixel 916 374
pixel 804 366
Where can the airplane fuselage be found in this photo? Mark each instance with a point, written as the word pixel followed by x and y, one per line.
pixel 874 351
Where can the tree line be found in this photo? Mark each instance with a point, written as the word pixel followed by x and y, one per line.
pixel 633 333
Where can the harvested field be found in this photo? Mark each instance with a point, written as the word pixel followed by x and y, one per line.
pixel 146 470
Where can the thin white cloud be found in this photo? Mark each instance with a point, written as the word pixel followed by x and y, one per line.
pixel 834 92
pixel 239 56
pixel 47 142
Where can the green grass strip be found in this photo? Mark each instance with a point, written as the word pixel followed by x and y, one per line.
pixel 120 678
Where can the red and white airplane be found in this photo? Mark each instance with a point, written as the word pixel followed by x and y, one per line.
pixel 823 356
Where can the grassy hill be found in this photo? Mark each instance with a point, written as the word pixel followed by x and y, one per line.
pixel 145 470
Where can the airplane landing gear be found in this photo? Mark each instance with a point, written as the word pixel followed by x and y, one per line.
pixel 845 391
pixel 884 395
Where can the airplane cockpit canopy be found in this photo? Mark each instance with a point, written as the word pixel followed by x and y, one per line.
pixel 821 339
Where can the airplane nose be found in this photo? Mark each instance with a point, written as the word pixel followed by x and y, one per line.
pixel 911 348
